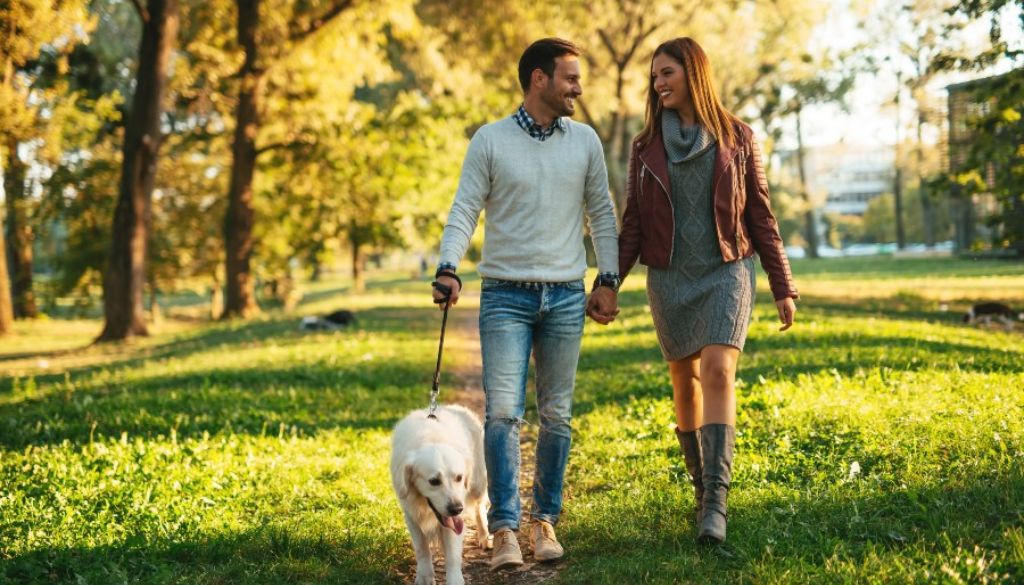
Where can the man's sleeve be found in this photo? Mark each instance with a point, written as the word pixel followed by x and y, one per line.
pixel 600 212
pixel 474 185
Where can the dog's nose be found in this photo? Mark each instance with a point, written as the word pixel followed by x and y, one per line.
pixel 454 509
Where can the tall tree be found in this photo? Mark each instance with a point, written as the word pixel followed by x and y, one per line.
pixel 6 310
pixel 240 300
pixel 33 33
pixel 125 276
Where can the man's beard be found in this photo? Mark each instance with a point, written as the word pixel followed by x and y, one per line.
pixel 557 103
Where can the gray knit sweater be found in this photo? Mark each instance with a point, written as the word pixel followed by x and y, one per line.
pixel 699 299
pixel 535 195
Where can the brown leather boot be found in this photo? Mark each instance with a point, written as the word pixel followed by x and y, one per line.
pixel 689 444
pixel 717 442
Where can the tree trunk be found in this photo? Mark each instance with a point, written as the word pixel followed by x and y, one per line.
pixel 897 186
pixel 240 299
pixel 927 204
pixel 6 311
pixel 216 299
pixel 810 225
pixel 125 277
pixel 358 280
pixel 155 316
pixel 19 234
pixel 897 192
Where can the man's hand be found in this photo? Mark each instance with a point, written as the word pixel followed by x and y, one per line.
pixel 787 311
pixel 452 285
pixel 603 305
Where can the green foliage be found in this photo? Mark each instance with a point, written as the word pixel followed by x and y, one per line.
pixel 879 442
pixel 996 158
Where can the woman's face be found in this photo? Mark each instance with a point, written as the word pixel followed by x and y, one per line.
pixel 669 82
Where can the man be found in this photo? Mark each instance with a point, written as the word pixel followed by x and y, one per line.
pixel 536 173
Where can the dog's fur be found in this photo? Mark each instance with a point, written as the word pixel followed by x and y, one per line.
pixel 438 470
pixel 330 322
pixel 986 312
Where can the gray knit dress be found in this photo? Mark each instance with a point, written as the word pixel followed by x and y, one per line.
pixel 699 299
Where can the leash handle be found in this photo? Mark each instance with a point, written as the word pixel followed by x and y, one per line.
pixel 447 292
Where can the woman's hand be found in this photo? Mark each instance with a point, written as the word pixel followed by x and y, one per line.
pixel 787 310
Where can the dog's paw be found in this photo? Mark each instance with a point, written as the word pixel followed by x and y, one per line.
pixel 454 578
pixel 486 542
pixel 424 579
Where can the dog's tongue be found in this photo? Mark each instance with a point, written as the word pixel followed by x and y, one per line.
pixel 454 523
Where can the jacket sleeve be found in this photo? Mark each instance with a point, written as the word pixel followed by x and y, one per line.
pixel 762 226
pixel 629 237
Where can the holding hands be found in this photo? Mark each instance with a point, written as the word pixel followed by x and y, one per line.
pixel 603 305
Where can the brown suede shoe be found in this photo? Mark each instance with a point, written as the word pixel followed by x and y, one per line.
pixel 545 544
pixel 506 553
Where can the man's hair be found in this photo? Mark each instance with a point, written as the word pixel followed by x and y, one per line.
pixel 541 55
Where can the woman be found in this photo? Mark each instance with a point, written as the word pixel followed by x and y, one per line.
pixel 696 211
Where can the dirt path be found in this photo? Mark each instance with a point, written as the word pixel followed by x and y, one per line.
pixel 461 372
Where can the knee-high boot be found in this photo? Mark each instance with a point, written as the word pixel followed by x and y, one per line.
pixel 689 444
pixel 717 442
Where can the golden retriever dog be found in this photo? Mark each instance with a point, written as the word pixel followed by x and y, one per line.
pixel 438 471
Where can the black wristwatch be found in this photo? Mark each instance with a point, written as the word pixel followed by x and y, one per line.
pixel 611 282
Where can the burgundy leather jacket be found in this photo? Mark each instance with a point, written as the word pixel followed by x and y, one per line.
pixel 743 215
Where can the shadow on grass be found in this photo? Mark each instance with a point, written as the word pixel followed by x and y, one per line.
pixel 118 397
pixel 264 555
pixel 828 536
pixel 258 401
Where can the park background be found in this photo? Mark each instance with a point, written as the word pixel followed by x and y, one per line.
pixel 183 181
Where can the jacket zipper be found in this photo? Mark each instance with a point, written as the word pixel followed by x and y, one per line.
pixel 644 167
pixel 740 176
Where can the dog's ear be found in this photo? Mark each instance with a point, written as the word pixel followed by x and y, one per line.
pixel 408 471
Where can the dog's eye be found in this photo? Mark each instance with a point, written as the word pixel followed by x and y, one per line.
pixel 458 478
pixel 435 481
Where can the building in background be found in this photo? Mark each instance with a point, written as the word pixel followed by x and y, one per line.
pixel 843 178
pixel 968 104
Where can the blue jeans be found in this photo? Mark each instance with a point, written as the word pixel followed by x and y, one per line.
pixel 515 320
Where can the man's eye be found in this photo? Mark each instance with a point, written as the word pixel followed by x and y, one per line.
pixel 436 481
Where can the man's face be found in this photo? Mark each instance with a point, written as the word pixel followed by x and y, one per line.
pixel 562 88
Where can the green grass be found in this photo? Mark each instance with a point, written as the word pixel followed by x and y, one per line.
pixel 880 441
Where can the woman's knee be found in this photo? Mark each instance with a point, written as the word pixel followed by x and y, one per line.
pixel 718 369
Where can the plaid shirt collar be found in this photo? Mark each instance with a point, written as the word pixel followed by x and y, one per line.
pixel 527 123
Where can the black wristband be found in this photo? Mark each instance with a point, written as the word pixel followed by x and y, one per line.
pixel 450 274
pixel 612 283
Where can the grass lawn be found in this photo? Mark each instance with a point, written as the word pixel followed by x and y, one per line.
pixel 879 441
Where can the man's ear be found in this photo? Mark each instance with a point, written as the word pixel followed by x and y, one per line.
pixel 538 78
pixel 408 473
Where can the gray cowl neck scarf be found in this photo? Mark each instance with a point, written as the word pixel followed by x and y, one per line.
pixel 683 143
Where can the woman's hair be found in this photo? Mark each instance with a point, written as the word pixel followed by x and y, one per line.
pixel 709 109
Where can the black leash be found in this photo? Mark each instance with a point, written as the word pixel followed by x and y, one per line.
pixel 447 292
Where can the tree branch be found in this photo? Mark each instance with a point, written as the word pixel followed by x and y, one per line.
pixel 590 119
pixel 285 144
pixel 320 21
pixel 142 10
pixel 606 40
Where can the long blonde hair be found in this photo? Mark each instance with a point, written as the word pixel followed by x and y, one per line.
pixel 708 108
